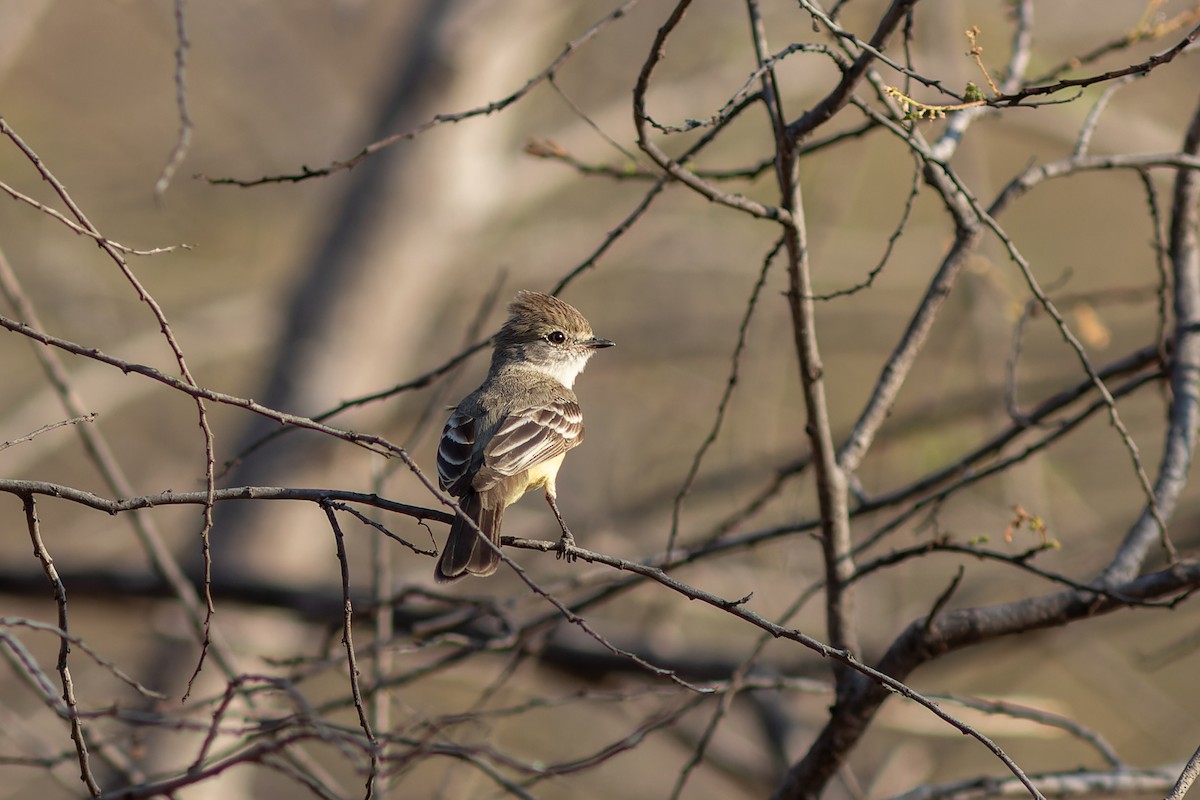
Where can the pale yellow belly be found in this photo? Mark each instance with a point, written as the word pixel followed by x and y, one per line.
pixel 508 490
pixel 542 475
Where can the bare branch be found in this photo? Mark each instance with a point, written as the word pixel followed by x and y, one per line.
pixel 184 140
pixel 168 498
pixel 730 384
pixel 1186 777
pixel 49 427
pixel 1165 57
pixel 348 643
pixel 672 166
pixel 493 107
pixel 64 672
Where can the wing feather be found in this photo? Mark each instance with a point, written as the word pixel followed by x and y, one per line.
pixel 528 437
pixel 454 453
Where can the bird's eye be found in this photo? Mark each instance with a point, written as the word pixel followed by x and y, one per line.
pixel 556 337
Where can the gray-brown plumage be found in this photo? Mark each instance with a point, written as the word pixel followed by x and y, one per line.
pixel 510 435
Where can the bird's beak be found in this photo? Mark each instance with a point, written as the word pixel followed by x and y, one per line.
pixel 596 343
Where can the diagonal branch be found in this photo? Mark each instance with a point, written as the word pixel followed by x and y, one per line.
pixel 673 166
pixel 837 99
pixel 493 107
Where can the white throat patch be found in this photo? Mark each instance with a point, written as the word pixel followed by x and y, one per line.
pixel 566 370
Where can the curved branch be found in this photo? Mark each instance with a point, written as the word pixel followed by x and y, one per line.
pixel 669 165
pixel 1180 440
pixel 926 639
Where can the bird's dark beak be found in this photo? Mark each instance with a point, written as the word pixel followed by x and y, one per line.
pixel 596 343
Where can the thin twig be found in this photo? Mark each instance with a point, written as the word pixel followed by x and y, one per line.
pixel 102 455
pixel 1022 561
pixel 726 396
pixel 184 140
pixel 493 107
pixel 169 498
pixel 1161 263
pixel 737 682
pixel 90 417
pixel 64 672
pixel 643 205
pixel 1165 57
pixel 84 647
pixel 1084 140
pixel 964 473
pixel 1143 31
pixel 672 166
pixel 364 519
pixel 943 599
pixel 420 382
pixel 75 227
pixel 1043 717
pixel 348 642
pixel 1081 355
pixel 909 203
pixel 176 350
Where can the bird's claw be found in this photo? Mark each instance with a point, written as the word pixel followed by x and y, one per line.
pixel 566 548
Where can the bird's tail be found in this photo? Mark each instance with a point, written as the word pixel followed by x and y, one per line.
pixel 465 552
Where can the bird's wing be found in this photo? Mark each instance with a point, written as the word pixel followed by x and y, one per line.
pixel 530 436
pixel 455 452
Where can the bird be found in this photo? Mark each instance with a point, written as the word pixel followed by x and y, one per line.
pixel 511 434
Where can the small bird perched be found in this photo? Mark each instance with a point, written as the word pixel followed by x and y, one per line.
pixel 510 435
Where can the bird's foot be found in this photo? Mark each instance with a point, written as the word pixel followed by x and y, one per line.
pixel 566 547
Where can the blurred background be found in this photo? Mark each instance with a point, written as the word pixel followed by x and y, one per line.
pixel 303 295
